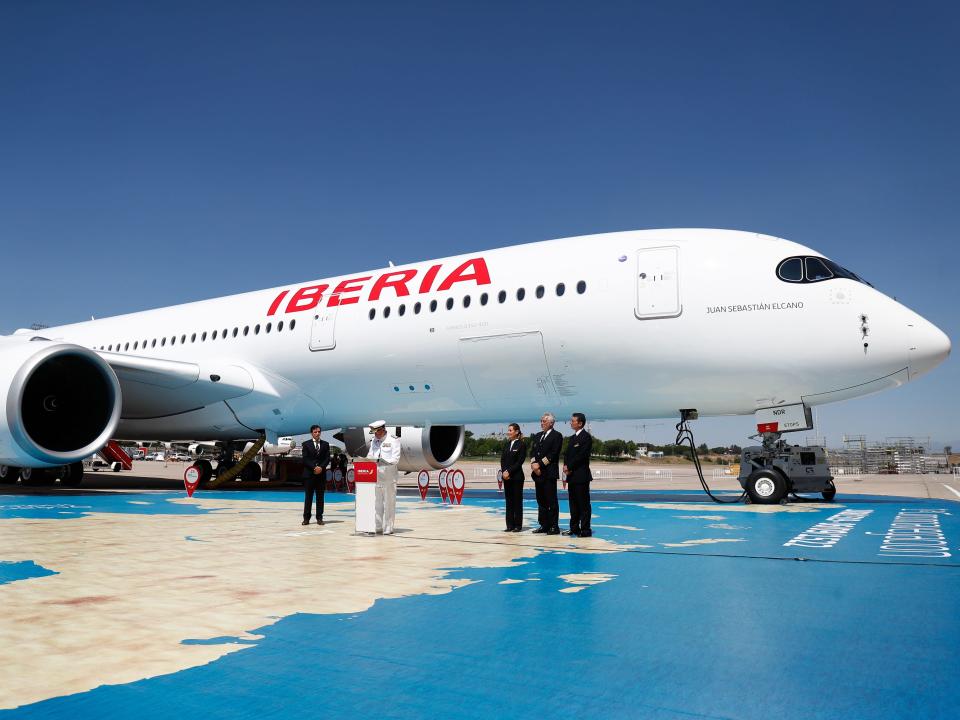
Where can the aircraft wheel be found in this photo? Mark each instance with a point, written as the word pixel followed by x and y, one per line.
pixel 72 474
pixel 830 493
pixel 9 474
pixel 35 476
pixel 206 470
pixel 766 487
pixel 251 472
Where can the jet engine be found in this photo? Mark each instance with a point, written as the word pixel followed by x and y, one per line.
pixel 433 446
pixel 59 403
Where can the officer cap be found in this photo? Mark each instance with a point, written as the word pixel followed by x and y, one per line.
pixel 377 424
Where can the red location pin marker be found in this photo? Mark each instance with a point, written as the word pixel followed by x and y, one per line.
pixel 500 480
pixel 423 482
pixel 191 479
pixel 442 482
pixel 457 481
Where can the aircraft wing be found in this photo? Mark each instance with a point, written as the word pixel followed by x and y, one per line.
pixel 154 388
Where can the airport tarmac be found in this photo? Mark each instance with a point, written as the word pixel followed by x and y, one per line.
pixel 124 597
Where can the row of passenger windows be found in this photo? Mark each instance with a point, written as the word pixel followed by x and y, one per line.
pixel 194 337
pixel 484 299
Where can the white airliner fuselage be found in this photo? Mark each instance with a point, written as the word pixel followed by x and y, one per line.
pixel 621 325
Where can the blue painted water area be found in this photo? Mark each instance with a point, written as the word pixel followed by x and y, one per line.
pixel 721 630
pixel 13 571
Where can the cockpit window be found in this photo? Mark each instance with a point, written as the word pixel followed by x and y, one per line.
pixel 791 270
pixel 813 269
pixel 816 270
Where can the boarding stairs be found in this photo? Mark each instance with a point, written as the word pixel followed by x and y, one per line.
pixel 112 452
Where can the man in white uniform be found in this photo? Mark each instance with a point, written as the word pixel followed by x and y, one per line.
pixel 386 450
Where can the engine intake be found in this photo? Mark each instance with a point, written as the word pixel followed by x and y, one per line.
pixel 62 404
pixel 434 446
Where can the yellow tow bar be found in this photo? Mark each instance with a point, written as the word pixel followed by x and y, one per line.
pixel 245 459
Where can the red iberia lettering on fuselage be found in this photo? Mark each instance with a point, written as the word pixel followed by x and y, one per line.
pixel 397 282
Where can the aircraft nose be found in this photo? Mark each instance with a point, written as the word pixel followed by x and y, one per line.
pixel 929 346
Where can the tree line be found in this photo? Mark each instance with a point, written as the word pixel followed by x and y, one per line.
pixel 615 449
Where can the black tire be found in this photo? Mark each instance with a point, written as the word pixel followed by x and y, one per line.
pixel 251 472
pixel 206 471
pixel 9 474
pixel 35 477
pixel 72 474
pixel 831 492
pixel 766 487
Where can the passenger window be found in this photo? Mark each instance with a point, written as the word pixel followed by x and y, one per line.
pixel 193 338
pixel 816 270
pixel 293 324
pixel 433 306
pixel 386 312
pixel 502 296
pixel 126 347
pixel 372 314
pixel 136 344
pixel 449 303
pixel 236 331
pixel 163 342
pixel 561 289
pixel 521 294
pixel 539 291
pixel 581 287
pixel 246 330
pixel 153 343
pixel 173 340
pixel 110 348
pixel 183 339
pixel 214 336
pixel 256 330
pixel 401 310
pixel 483 298
pixel 280 326
pixel 203 338
pixel 269 327
pixel 416 308
pixel 466 301
pixel 791 270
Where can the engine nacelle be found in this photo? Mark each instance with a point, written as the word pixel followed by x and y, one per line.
pixel 59 403
pixel 433 446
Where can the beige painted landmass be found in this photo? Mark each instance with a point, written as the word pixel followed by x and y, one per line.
pixel 130 588
pixel 581 581
pixel 703 541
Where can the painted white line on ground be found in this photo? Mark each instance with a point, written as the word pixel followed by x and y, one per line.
pixel 953 490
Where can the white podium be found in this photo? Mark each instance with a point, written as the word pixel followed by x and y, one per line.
pixel 365 479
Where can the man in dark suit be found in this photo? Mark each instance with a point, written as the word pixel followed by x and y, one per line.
pixel 576 466
pixel 316 457
pixel 545 469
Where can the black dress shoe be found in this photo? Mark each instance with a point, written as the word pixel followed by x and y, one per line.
pixel 539 530
pixel 305 522
pixel 517 530
pixel 553 531
pixel 571 533
pixel 509 530
pixel 587 533
pixel 320 522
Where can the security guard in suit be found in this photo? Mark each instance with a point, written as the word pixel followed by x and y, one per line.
pixel 576 466
pixel 511 467
pixel 316 457
pixel 545 469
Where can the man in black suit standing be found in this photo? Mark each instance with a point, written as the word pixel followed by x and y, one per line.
pixel 576 466
pixel 545 468
pixel 316 457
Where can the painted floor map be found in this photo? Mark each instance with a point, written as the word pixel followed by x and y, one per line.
pixel 149 604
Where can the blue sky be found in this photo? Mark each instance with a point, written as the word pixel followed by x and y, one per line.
pixel 152 154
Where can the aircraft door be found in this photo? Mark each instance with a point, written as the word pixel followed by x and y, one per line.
pixel 528 384
pixel 658 283
pixel 322 333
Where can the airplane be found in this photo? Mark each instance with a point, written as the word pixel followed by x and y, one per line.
pixel 623 325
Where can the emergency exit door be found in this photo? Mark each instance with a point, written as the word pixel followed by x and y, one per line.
pixel 323 332
pixel 658 283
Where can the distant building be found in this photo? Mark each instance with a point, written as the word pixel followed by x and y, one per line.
pixel 641 451
pixel 655 454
